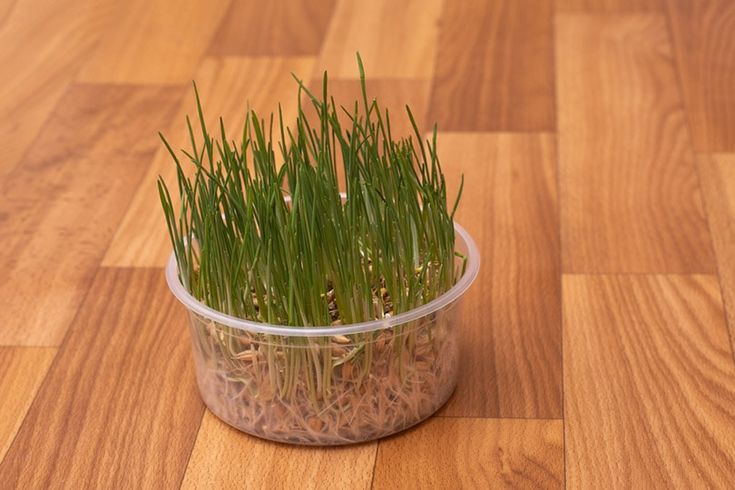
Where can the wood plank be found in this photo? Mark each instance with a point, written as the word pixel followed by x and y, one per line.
pixel 43 43
pixel 21 372
pixel 405 45
pixel 275 28
pixel 717 173
pixel 120 407
pixel 494 68
pixel 473 453
pixel 217 462
pixel 511 335
pixel 154 41
pixel 629 191
pixel 226 85
pixel 608 6
pixel 704 40
pixel 61 206
pixel 649 383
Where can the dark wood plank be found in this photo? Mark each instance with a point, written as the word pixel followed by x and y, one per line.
pixel 718 187
pixel 62 205
pixel 274 28
pixel 119 408
pixel 21 371
pixel 649 383
pixel 494 67
pixel 473 453
pixel 629 191
pixel 704 41
pixel 511 334
pixel 217 462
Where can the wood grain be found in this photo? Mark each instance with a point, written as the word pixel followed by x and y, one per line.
pixel 609 6
pixel 226 85
pixel 704 41
pixel 56 35
pixel 494 68
pixel 61 206
pixel 629 192
pixel 511 341
pixel 575 123
pixel 274 28
pixel 649 383
pixel 120 407
pixel 404 47
pixel 717 173
pixel 154 41
pixel 21 371
pixel 473 453
pixel 221 451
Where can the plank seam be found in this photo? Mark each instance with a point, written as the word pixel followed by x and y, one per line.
pixel 319 57
pixel 375 464
pixel 703 198
pixel 71 81
pixel 52 365
pixel 645 274
pixel 496 418
pixel 208 50
pixel 560 260
pixel 191 452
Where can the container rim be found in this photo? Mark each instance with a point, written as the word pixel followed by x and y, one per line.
pixel 469 276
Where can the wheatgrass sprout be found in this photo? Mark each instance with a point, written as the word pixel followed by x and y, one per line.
pixel 272 240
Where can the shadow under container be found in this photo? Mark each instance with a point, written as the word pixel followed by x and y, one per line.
pixel 329 385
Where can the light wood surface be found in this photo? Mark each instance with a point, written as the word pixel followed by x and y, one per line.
pixel 393 95
pixel 630 195
pixel 153 41
pixel 512 340
pixel 228 85
pixel 120 394
pixel 597 142
pixel 704 35
pixel 61 206
pixel 32 34
pixel 495 67
pixel 223 458
pixel 273 28
pixel 393 42
pixel 608 6
pixel 22 370
pixel 717 173
pixel 649 376
pixel 473 453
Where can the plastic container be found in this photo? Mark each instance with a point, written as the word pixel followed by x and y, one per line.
pixel 329 385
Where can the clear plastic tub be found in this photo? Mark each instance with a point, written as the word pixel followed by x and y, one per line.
pixel 329 385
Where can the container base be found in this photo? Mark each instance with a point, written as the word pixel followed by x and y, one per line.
pixel 326 440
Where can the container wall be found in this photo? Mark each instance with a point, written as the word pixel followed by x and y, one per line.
pixel 327 390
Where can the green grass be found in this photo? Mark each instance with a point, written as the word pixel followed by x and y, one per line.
pixel 386 249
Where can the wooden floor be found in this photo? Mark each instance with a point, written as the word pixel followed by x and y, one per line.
pixel 598 142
